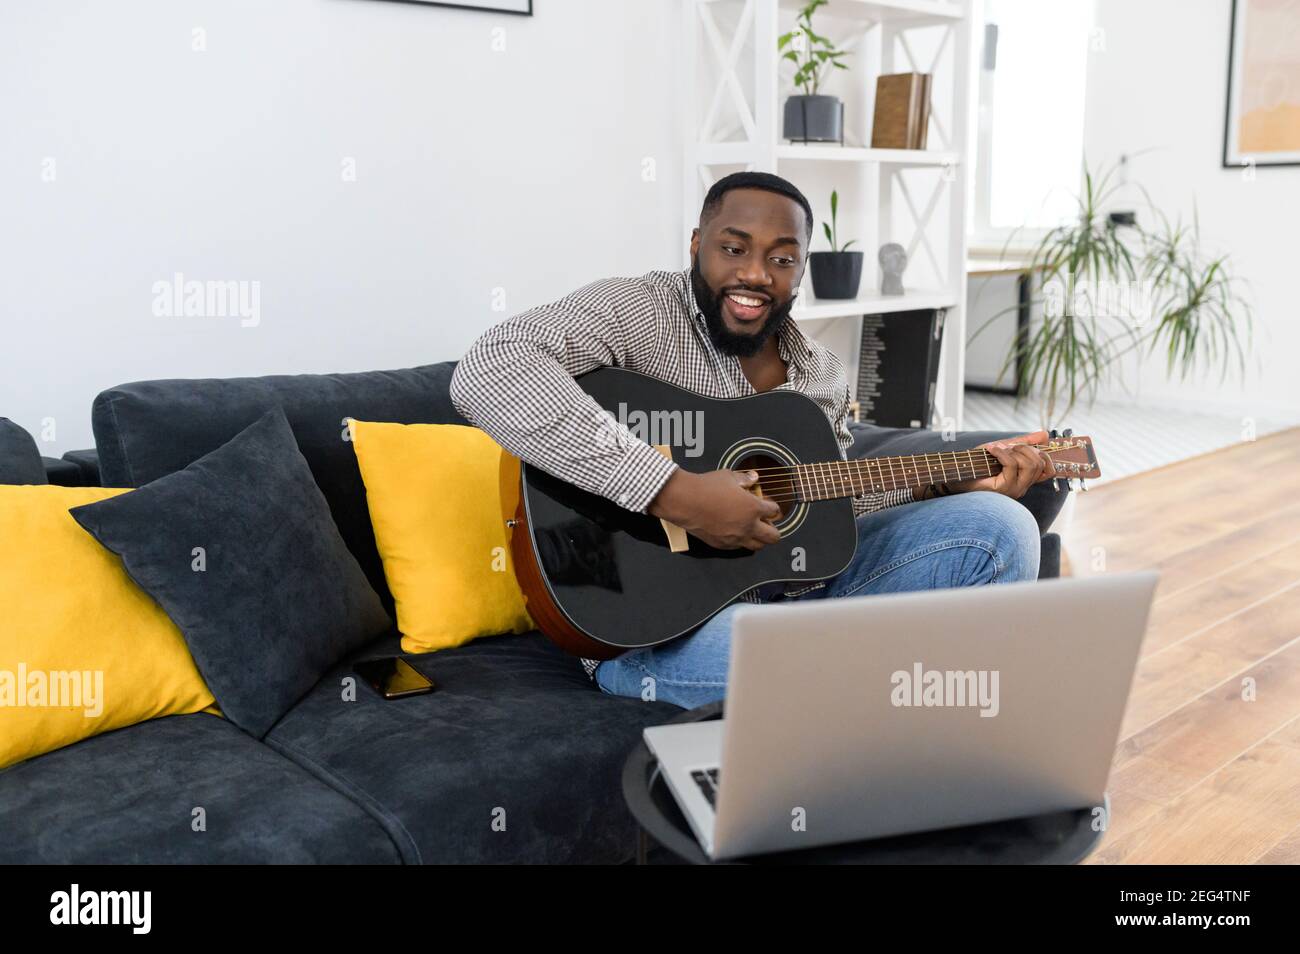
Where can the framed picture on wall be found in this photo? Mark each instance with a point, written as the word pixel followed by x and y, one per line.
pixel 523 7
pixel 1262 127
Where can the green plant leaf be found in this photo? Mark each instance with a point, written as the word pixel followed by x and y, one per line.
pixel 1196 315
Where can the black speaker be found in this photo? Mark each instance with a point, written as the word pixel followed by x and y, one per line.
pixel 898 367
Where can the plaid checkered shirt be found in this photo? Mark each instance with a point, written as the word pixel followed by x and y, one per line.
pixel 516 383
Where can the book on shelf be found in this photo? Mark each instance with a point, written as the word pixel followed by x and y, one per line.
pixel 902 113
pixel 922 127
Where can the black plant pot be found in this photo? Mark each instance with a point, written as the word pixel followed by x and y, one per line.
pixel 836 274
pixel 813 119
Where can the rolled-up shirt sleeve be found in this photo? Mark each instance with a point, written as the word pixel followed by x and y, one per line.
pixel 516 383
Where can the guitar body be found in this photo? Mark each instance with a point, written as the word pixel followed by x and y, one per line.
pixel 600 579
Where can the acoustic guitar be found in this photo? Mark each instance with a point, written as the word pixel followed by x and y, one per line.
pixel 600 579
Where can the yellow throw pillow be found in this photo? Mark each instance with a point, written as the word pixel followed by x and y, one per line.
pixel 83 650
pixel 437 515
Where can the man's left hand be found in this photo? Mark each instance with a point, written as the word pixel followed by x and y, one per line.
pixel 1022 467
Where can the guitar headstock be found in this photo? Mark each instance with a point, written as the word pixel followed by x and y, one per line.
pixel 1072 457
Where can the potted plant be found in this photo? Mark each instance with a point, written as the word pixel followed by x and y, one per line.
pixel 1109 287
pixel 837 273
pixel 811 117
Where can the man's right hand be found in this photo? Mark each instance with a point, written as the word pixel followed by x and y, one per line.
pixel 718 508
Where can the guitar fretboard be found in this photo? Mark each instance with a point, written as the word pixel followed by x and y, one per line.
pixel 849 478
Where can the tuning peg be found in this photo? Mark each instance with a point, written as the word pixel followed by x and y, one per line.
pixel 1056 484
pixel 1052 434
pixel 1068 432
pixel 1083 486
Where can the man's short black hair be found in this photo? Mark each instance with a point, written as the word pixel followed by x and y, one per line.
pixel 754 180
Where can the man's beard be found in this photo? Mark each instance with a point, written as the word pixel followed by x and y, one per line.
pixel 725 340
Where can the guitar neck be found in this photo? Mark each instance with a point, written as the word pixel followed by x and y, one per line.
pixel 849 478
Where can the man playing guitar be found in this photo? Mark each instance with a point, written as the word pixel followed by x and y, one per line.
pixel 722 328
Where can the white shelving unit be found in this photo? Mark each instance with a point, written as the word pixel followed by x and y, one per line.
pixel 734 84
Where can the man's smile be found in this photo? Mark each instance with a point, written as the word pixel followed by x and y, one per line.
pixel 746 307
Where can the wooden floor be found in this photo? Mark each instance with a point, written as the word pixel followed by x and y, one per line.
pixel 1208 765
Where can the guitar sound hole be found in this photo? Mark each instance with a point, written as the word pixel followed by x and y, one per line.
pixel 777 485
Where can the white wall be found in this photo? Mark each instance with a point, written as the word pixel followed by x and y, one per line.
pixel 1160 83
pixel 475 170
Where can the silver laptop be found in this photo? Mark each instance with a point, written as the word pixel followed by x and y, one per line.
pixel 880 715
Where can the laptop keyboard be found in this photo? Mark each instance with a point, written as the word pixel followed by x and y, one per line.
pixel 707 780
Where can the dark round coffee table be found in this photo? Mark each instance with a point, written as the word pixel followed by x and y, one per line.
pixel 1060 838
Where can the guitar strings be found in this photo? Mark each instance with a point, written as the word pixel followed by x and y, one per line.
pixel 787 483
pixel 779 488
pixel 801 477
pixel 885 461
pixel 834 469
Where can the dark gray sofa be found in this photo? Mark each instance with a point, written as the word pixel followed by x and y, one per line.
pixel 516 757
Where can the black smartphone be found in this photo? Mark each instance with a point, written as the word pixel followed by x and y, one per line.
pixel 393 677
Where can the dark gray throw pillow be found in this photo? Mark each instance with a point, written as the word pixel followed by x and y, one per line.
pixel 20 460
pixel 240 551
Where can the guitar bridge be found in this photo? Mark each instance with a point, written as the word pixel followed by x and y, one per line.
pixel 678 542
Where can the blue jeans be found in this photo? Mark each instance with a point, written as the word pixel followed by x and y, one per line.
pixel 964 540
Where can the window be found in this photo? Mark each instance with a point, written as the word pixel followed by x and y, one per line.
pixel 1032 71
